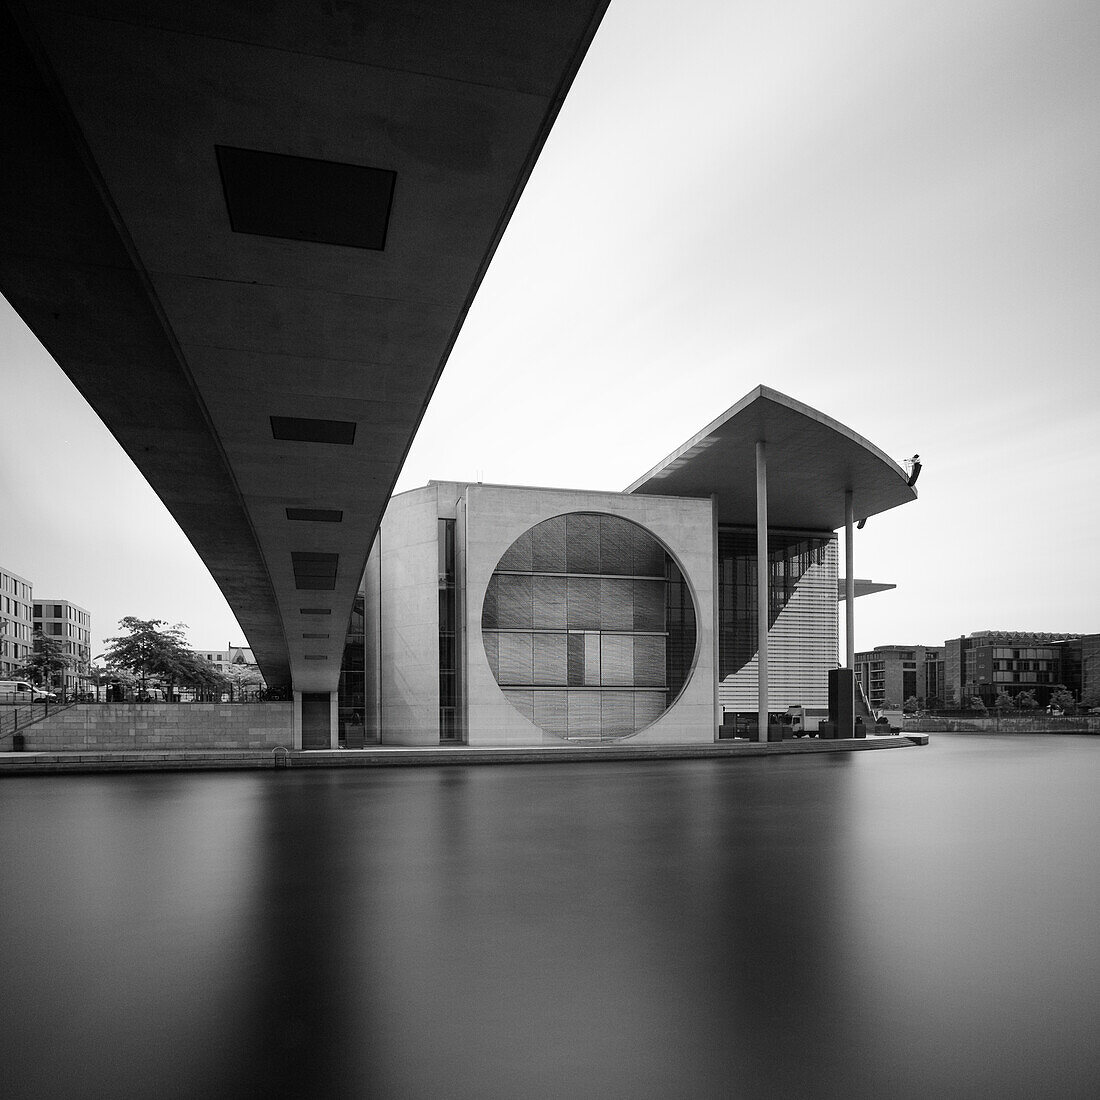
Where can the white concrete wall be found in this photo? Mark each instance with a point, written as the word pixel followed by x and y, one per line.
pixel 462 641
pixel 495 516
pixel 371 588
pixel 408 630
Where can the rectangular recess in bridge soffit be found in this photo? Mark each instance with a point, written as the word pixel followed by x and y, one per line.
pixel 316 515
pixel 315 571
pixel 303 199
pixel 304 429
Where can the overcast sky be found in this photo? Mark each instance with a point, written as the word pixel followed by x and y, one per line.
pixel 886 210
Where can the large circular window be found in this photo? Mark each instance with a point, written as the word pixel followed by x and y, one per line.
pixel 589 627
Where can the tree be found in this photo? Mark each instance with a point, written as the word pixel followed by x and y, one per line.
pixel 1026 700
pixel 911 704
pixel 1003 701
pixel 147 650
pixel 246 678
pixel 977 705
pixel 190 670
pixel 1062 699
pixel 47 657
pixel 117 678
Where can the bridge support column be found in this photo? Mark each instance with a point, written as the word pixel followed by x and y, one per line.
pixel 297 720
pixel 316 720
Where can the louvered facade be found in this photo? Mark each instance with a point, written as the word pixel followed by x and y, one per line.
pixel 588 627
pixel 802 619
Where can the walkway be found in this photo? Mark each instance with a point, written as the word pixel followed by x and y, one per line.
pixel 24 763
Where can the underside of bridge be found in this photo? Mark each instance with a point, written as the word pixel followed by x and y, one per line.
pixel 250 233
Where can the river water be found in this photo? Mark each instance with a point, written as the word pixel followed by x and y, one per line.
pixel 900 923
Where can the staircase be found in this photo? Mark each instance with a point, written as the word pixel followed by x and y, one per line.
pixel 15 718
pixel 862 707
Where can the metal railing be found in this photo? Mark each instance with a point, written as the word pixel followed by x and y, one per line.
pixel 182 697
pixel 18 716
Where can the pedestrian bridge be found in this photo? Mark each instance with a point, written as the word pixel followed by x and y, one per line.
pixel 250 235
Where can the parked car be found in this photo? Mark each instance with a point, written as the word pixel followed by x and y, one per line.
pixel 20 691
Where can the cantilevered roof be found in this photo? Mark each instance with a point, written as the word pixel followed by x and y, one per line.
pixel 250 233
pixel 863 588
pixel 812 460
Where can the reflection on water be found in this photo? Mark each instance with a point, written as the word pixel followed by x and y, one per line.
pixel 894 923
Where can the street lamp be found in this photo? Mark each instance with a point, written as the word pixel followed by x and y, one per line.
pixel 98 674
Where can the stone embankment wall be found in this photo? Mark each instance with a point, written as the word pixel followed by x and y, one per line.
pixel 993 724
pixel 131 726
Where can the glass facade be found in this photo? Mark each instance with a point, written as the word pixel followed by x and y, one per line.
pixel 351 699
pixel 789 558
pixel 448 645
pixel 589 627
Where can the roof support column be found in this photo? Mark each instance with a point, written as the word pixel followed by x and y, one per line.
pixel 716 632
pixel 761 592
pixel 849 585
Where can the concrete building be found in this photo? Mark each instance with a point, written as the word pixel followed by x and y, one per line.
pixel 987 662
pixel 1090 669
pixel 982 665
pixel 71 625
pixel 16 621
pixel 891 674
pixel 503 615
pixel 225 660
pixel 935 686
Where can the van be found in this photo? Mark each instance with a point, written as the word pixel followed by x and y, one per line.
pixel 20 691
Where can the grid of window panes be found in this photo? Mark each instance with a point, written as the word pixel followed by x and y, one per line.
pixel 789 557
pixel 351 696
pixel 70 625
pixel 448 647
pixel 589 627
pixel 16 626
pixel 1028 665
pixel 908 680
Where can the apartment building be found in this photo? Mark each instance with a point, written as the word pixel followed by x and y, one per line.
pixel 16 621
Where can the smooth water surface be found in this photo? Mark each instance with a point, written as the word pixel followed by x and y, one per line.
pixel 900 923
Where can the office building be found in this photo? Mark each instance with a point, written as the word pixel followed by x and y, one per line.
pixel 506 615
pixel 892 674
pixel 71 625
pixel 984 664
pixel 16 622
pixel 981 666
